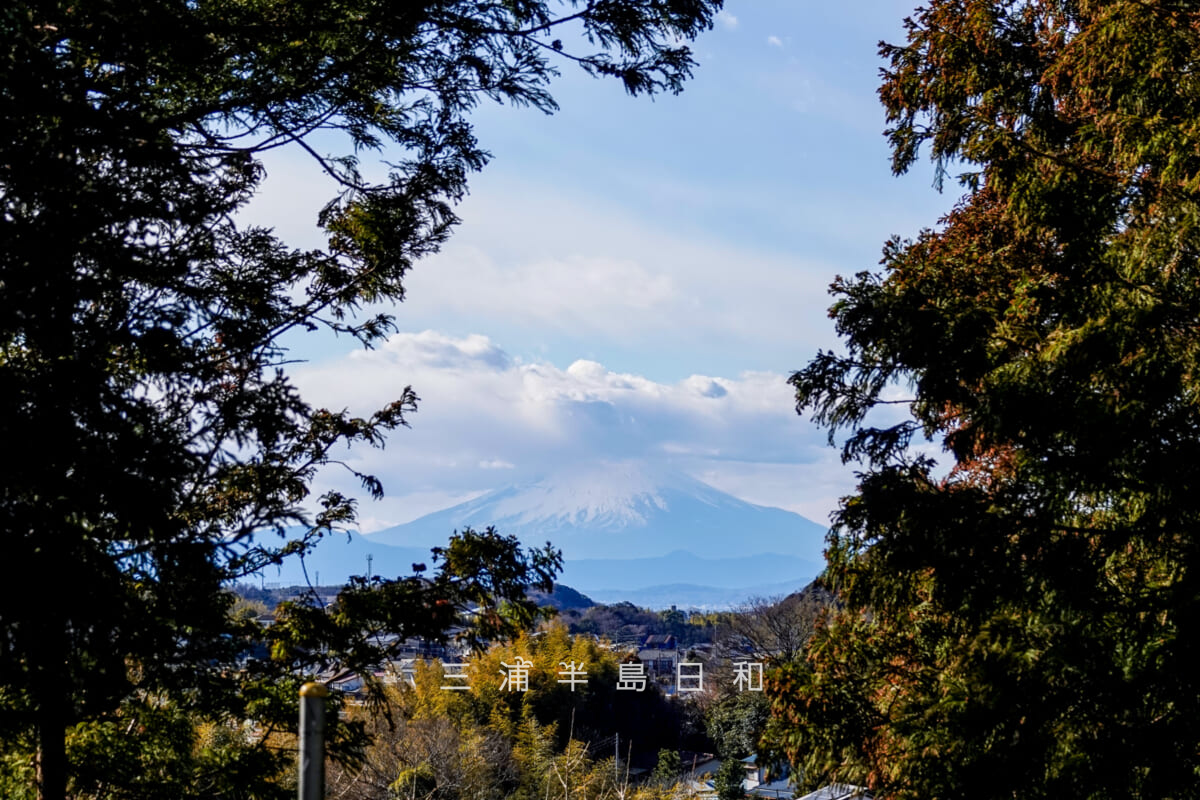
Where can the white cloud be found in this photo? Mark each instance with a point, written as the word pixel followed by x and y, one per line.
pixel 728 20
pixel 537 262
pixel 487 419
pixel 396 510
pixel 774 41
pixel 549 262
pixel 567 290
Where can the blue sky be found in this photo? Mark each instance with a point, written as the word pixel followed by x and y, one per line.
pixel 637 279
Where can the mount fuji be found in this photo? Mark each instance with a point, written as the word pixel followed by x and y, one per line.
pixel 622 511
pixel 625 530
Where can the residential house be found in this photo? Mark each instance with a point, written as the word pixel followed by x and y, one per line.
pixel 839 791
pixel 660 655
pixel 767 780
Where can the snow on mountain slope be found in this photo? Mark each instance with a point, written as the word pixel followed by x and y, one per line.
pixel 619 511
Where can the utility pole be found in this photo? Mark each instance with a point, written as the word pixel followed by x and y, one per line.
pixel 312 741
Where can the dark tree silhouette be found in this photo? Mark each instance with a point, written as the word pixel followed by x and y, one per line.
pixel 152 427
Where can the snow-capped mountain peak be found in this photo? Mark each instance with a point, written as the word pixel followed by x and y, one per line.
pixel 621 510
pixel 615 496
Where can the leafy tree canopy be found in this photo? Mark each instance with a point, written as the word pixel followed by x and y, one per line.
pixel 1025 624
pixel 735 723
pixel 668 768
pixel 729 779
pixel 152 426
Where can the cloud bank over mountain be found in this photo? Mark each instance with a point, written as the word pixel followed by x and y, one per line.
pixel 488 419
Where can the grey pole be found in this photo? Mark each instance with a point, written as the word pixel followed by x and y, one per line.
pixel 312 741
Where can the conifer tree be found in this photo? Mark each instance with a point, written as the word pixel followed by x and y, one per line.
pixel 1021 620
pixel 143 393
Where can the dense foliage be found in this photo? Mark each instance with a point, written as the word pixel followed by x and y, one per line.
pixel 1025 623
pixel 553 739
pixel 153 427
pixel 624 622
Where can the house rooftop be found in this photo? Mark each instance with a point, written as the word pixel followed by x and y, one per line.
pixel 838 791
pixel 779 790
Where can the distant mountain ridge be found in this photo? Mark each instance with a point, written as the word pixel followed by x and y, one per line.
pixel 687 595
pixel 662 538
pixel 622 511
pixel 684 567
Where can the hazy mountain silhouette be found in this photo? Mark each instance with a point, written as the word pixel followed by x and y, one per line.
pixel 622 511
pixel 621 528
